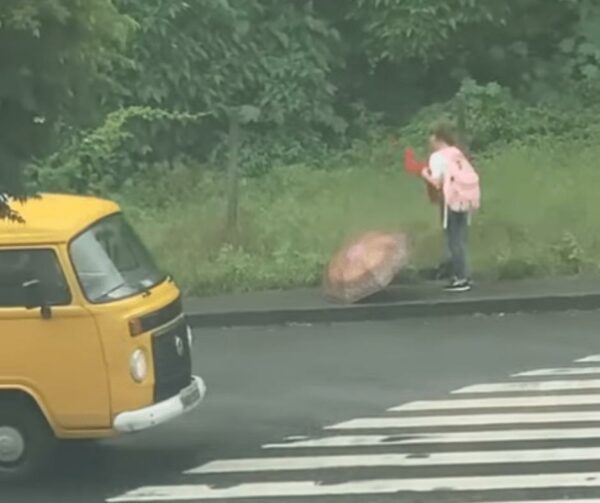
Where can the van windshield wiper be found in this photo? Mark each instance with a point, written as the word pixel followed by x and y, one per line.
pixel 146 291
pixel 112 290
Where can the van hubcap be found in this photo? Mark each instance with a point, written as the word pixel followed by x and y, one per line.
pixel 12 445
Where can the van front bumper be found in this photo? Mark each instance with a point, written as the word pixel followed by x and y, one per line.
pixel 148 417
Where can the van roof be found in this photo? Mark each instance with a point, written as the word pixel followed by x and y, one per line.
pixel 53 218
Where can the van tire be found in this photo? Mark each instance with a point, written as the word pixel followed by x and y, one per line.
pixel 26 438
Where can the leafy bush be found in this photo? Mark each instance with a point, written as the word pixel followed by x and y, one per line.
pixel 490 116
pixel 259 152
pixel 103 159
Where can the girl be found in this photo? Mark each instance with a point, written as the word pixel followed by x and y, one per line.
pixel 453 176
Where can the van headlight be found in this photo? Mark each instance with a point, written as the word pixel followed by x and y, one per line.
pixel 138 365
pixel 190 336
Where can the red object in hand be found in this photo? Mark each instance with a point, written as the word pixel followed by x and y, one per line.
pixel 415 167
pixel 411 164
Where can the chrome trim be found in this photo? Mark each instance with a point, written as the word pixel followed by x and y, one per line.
pixel 162 330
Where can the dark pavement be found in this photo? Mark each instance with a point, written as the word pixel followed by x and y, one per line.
pixel 399 301
pixel 266 384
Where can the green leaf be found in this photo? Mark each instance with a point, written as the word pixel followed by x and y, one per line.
pixel 590 71
pixel 248 114
pixel 567 46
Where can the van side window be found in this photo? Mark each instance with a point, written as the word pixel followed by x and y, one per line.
pixel 20 266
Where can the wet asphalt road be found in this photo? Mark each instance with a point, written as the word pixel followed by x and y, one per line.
pixel 266 384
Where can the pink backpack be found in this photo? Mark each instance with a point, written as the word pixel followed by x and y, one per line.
pixel 461 182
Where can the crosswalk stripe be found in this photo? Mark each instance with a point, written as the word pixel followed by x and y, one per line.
pixel 493 403
pixel 280 464
pixel 589 359
pixel 459 409
pixel 492 436
pixel 466 420
pixel 524 387
pixel 576 371
pixel 384 486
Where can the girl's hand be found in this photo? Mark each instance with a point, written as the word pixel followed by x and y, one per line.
pixel 428 176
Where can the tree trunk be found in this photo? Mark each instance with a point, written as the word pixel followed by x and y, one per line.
pixel 233 177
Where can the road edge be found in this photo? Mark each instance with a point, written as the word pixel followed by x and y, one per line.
pixel 395 311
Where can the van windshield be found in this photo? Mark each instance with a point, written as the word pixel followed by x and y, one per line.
pixel 112 263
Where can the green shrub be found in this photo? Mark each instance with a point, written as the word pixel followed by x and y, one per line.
pixel 103 159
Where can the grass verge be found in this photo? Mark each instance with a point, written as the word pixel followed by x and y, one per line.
pixel 538 217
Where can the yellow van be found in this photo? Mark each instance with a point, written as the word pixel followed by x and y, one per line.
pixel 93 339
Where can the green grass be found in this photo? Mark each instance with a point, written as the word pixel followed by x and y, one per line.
pixel 539 217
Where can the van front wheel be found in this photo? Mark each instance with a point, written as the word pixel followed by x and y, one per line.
pixel 25 440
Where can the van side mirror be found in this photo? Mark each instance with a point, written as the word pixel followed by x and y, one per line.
pixel 34 298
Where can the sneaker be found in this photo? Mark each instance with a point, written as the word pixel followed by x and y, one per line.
pixel 458 285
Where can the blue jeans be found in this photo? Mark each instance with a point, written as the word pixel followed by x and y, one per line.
pixel 457 232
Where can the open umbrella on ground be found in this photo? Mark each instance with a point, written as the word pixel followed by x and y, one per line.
pixel 365 266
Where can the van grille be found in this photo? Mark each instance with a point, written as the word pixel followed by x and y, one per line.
pixel 172 361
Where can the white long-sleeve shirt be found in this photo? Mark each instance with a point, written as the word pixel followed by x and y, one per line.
pixel 438 166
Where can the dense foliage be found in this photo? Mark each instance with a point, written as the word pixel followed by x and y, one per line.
pixel 99 92
pixel 56 56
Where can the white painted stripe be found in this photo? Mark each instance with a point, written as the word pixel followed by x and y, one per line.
pixel 589 359
pixel 441 438
pixel 499 403
pixel 385 486
pixel 467 420
pixel 282 464
pixel 525 387
pixel 576 371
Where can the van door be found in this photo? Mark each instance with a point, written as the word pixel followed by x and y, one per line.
pixel 56 352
